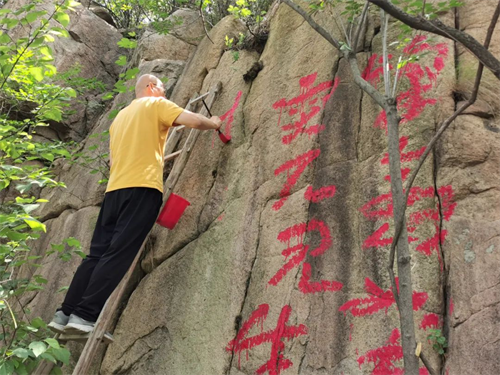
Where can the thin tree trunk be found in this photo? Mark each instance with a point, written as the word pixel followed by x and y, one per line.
pixel 404 297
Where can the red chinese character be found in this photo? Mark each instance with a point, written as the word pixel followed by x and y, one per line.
pixel 384 357
pixel 299 252
pixel 405 157
pixel 320 194
pixel 277 362
pixel 381 207
pixel 306 106
pixel 430 320
pixel 378 300
pixel 300 163
pixel 412 102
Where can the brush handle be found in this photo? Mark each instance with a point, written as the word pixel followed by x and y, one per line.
pixel 205 104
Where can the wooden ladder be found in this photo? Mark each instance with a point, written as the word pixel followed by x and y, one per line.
pixel 99 333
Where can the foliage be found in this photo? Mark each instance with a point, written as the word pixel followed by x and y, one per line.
pixel 235 47
pixel 438 341
pixel 129 14
pixel 137 13
pixel 32 95
pixel 95 158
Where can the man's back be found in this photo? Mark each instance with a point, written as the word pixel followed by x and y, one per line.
pixel 137 139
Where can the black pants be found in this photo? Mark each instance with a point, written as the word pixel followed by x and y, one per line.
pixel 126 217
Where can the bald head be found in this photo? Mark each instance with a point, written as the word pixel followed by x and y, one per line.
pixel 149 85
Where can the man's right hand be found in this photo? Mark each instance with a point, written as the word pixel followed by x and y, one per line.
pixel 217 121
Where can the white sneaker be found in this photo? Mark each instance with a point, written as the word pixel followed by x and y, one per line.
pixel 78 325
pixel 58 322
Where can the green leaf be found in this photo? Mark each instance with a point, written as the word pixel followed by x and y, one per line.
pixel 36 72
pixel 32 16
pixel 131 73
pixel 35 224
pixel 7 368
pixel 15 236
pixel 62 289
pixel 62 355
pixel 127 43
pixel 48 357
pixel 38 348
pixel 70 92
pixel 48 156
pixel 21 353
pixel 38 323
pixel 53 114
pixel 40 280
pixel 81 254
pixel 107 96
pixel 59 247
pixel 73 242
pixel 62 18
pixel 4 38
pixel 113 113
pixel 46 51
pixel 52 343
pixel 122 60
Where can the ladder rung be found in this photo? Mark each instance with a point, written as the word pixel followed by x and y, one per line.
pixel 172 155
pixel 108 337
pixel 199 98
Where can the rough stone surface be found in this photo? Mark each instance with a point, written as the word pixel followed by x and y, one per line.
pixel 472 254
pixel 205 58
pixel 474 20
pixel 291 259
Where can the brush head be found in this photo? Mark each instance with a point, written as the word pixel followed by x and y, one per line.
pixel 223 138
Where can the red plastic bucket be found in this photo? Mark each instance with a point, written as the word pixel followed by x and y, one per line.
pixel 172 211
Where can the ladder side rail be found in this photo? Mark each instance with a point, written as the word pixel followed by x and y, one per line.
pixel 175 135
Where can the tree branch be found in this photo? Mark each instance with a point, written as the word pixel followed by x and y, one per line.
pixel 360 27
pixel 350 55
pixel 321 31
pixel 204 23
pixel 439 28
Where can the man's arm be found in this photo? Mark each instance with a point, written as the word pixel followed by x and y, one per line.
pixel 197 121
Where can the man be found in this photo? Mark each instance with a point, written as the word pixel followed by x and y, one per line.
pixel 132 201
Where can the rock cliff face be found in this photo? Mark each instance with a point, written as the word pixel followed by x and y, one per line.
pixel 279 264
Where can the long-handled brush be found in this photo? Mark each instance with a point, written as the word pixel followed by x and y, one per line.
pixel 222 137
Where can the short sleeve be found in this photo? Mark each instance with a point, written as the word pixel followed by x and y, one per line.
pixel 168 112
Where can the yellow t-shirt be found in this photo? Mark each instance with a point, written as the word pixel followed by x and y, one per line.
pixel 137 139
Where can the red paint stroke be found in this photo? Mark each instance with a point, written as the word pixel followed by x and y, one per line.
pixel 320 194
pixel 300 163
pixel 382 207
pixel 298 254
pixel 412 102
pixel 221 216
pixel 305 105
pixel 229 116
pixel 277 362
pixel 385 357
pixel 430 320
pixel 379 300
pixel 452 307
pixel 406 157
